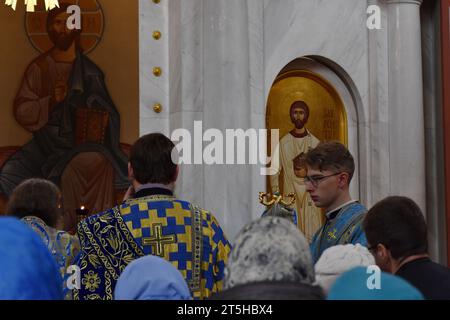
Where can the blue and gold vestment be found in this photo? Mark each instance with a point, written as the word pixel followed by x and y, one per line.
pixel 157 224
pixel 344 227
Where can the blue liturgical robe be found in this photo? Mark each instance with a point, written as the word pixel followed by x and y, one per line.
pixel 343 226
pixel 154 223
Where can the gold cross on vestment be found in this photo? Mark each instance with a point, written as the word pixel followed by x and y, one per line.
pixel 332 235
pixel 157 241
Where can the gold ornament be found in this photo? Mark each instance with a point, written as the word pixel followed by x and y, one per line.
pixel 157 71
pixel 156 35
pixel 30 4
pixel 157 108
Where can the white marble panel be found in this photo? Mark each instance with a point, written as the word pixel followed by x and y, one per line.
pixel 222 57
pixel 153 53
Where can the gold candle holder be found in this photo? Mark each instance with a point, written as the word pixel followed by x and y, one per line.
pixel 268 199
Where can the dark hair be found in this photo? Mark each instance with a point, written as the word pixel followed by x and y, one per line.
pixel 300 161
pixel 302 105
pixel 151 159
pixel 331 156
pixel 36 197
pixel 397 223
pixel 52 14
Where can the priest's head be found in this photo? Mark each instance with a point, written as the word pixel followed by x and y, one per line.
pixel 59 34
pixel 299 113
pixel 151 161
pixel 330 168
pixel 37 198
pixel 396 231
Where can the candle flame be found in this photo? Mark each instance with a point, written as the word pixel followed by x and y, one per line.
pixel 82 207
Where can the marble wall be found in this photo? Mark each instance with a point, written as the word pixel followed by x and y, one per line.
pixel 220 58
pixel 434 136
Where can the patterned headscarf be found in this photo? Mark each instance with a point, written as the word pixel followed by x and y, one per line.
pixel 63 247
pixel 269 249
pixel 27 269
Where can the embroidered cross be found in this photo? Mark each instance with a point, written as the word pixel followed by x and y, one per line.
pixel 332 235
pixel 158 241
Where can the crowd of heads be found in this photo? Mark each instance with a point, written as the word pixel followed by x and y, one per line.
pixel 271 258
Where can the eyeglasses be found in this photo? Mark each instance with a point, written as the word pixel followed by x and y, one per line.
pixel 316 180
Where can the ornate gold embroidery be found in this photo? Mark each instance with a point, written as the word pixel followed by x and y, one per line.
pixel 332 235
pixel 194 284
pixel 91 281
pixel 149 199
pixel 109 245
pixel 108 287
pixel 93 259
pixel 157 241
pixel 97 248
pixel 128 236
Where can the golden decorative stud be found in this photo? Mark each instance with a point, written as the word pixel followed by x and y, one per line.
pixel 157 71
pixel 156 35
pixel 157 107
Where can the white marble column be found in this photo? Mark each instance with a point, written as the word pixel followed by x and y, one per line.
pixel 406 114
pixel 153 53
pixel 186 85
pixel 434 136
pixel 226 86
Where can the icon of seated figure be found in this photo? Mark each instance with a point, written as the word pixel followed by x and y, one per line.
pixel 63 101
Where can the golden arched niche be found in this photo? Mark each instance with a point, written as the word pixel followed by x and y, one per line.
pixel 327 121
pixel 328 118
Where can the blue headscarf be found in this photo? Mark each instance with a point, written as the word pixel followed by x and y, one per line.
pixel 352 285
pixel 151 278
pixel 27 269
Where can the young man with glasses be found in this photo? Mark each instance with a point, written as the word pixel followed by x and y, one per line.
pixel 330 169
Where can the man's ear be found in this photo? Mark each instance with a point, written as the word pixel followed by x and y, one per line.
pixel 130 171
pixel 175 175
pixel 344 180
pixel 383 252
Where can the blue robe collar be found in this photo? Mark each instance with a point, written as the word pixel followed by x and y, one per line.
pixel 152 191
pixel 333 214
